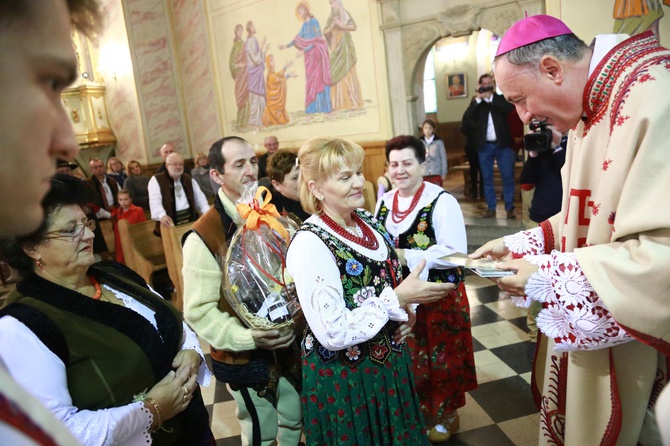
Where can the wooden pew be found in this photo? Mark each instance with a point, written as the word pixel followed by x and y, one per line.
pixel 142 250
pixel 175 259
pixel 107 228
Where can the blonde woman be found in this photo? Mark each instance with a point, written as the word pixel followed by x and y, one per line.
pixel 357 383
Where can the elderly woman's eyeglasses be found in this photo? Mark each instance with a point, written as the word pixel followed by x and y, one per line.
pixel 75 233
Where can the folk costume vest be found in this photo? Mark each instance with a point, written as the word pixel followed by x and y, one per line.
pixel 102 344
pixel 166 184
pixel 259 369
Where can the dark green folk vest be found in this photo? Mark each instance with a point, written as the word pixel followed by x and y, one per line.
pixel 110 352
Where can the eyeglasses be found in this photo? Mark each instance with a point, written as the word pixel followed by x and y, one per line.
pixel 74 234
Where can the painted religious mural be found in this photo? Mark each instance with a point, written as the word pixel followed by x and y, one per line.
pixel 297 68
pixel 637 16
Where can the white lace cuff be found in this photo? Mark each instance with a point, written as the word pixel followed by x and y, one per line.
pixel 525 242
pixel 572 313
pixel 390 300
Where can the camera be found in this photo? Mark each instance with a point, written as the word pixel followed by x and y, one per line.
pixel 541 138
pixel 484 89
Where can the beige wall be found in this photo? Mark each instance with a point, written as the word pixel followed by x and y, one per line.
pixel 166 80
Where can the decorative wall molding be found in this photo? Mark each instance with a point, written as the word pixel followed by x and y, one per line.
pixel 408 40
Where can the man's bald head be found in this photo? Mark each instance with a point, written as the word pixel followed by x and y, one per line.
pixel 167 149
pixel 271 144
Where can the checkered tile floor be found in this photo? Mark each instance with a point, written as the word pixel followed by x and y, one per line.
pixel 500 412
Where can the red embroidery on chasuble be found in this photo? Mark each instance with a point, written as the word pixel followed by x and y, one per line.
pixel 552 411
pixel 606 164
pixel 582 203
pixel 595 209
pixel 548 232
pixel 599 88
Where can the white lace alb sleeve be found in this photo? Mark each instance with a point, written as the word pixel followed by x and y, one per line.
pixel 526 242
pixel 319 287
pixel 43 374
pixel 572 313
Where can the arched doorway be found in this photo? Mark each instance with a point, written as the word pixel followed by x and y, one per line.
pixel 409 37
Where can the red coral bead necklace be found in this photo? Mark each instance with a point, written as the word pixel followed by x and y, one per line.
pixel 98 289
pixel 396 214
pixel 368 240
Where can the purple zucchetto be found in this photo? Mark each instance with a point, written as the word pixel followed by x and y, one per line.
pixel 530 30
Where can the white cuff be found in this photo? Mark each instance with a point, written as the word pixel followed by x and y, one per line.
pixel 572 313
pixel 390 301
pixel 526 242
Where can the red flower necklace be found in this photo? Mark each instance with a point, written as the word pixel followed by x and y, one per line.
pixel 368 240
pixel 98 290
pixel 396 215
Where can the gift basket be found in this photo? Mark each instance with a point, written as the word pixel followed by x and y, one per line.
pixel 256 283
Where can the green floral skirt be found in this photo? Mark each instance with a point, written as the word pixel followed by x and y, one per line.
pixel 367 404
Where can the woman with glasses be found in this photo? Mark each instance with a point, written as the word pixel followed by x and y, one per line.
pixel 107 355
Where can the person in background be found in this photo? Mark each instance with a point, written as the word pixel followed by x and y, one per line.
pixel 435 168
pixel 108 356
pixel 115 170
pixel 476 183
pixel 137 185
pixel 64 166
pixel 104 187
pixel 384 183
pixel 283 171
pixel 271 145
pixel 541 173
pixel 260 370
pixel 125 211
pixel 102 190
pixel 358 386
pixel 165 150
pixel 174 197
pixel 485 122
pixel 600 266
pixel 34 39
pixel 426 222
pixel 200 174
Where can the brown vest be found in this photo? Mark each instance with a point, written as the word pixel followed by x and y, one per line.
pixel 166 184
pixel 210 229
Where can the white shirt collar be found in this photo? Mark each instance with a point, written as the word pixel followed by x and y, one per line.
pixel 601 45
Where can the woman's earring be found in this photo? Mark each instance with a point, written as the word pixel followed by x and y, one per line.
pixel 39 263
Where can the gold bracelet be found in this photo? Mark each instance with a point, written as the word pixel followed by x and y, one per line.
pixel 158 412
pixel 142 397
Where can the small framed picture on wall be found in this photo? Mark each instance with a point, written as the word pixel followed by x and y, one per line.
pixel 456 85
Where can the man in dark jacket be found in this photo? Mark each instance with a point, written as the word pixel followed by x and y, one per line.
pixel 485 124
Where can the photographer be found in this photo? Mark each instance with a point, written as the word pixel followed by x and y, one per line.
pixel 485 123
pixel 542 174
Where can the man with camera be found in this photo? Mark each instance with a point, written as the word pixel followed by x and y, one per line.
pixel 485 122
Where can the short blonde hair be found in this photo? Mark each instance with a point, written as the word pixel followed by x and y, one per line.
pixel 319 158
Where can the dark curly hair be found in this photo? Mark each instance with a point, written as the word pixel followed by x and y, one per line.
pixel 407 142
pixel 66 190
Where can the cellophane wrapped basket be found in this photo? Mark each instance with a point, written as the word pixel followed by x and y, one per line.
pixel 256 283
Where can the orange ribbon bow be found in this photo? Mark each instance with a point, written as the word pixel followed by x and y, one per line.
pixel 257 214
